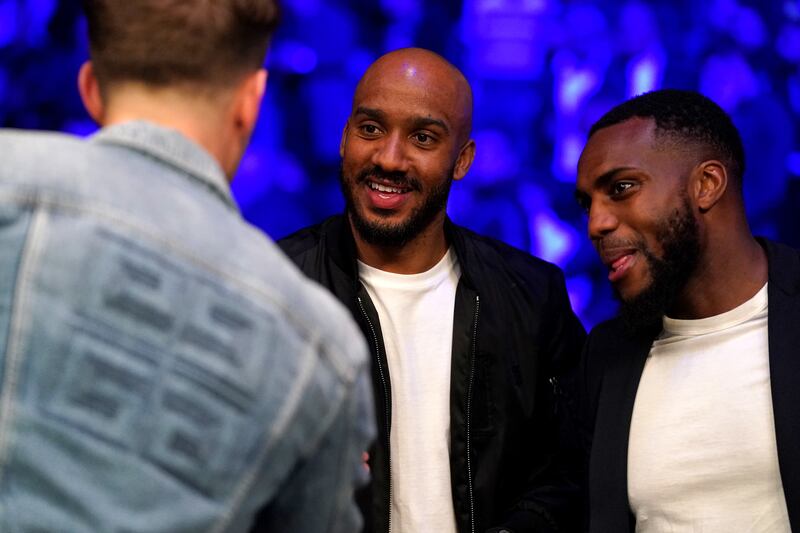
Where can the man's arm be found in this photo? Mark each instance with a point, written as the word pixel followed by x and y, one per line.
pixel 555 499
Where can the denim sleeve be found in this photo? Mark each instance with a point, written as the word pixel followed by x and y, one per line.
pixel 319 494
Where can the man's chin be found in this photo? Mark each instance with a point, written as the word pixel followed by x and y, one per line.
pixel 382 218
pixel 626 294
pixel 643 310
pixel 381 231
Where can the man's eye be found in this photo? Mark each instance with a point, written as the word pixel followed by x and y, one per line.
pixel 423 138
pixel 584 201
pixel 620 187
pixel 369 129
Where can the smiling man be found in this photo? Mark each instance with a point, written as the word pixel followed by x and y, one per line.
pixel 690 390
pixel 466 333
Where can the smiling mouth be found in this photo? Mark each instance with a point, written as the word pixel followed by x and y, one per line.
pixel 380 187
pixel 618 263
pixel 619 267
pixel 385 196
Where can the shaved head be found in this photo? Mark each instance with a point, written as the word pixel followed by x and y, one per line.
pixel 428 71
pixel 406 140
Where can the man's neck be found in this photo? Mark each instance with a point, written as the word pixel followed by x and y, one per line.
pixel 729 274
pixel 194 117
pixel 420 254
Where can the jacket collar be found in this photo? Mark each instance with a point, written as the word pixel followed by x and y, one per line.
pixel 784 366
pixel 784 266
pixel 342 246
pixel 609 454
pixel 173 148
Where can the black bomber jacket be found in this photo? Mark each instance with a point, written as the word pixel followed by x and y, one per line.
pixel 514 334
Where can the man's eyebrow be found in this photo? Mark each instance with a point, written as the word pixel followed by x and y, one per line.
pixel 369 112
pixel 416 122
pixel 601 182
pixel 603 179
pixel 425 122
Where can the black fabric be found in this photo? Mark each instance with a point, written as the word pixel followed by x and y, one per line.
pixel 613 362
pixel 513 332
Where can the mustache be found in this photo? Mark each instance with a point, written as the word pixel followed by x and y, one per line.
pixel 614 243
pixel 399 178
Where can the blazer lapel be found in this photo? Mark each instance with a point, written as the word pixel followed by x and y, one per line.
pixel 784 361
pixel 609 457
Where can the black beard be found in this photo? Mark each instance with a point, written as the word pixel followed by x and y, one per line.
pixel 395 235
pixel 680 241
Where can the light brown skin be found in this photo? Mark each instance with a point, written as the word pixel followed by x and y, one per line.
pixel 220 120
pixel 628 183
pixel 411 112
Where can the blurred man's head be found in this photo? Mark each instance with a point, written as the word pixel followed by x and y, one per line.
pixel 407 138
pixel 164 60
pixel 649 177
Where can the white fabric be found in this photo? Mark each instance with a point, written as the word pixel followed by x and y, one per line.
pixel 416 316
pixel 702 454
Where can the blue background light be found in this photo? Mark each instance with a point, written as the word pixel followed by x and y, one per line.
pixel 542 72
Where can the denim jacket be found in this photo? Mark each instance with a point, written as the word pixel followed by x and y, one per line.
pixel 162 366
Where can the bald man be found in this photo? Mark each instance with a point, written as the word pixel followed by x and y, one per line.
pixel 468 335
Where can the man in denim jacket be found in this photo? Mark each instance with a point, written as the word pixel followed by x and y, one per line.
pixel 163 367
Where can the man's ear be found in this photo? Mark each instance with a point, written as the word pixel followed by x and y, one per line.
pixel 710 185
pixel 248 100
pixel 89 89
pixel 465 158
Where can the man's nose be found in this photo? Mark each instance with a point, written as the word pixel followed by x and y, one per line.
pixel 390 154
pixel 602 221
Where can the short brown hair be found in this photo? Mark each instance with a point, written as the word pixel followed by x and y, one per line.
pixel 166 42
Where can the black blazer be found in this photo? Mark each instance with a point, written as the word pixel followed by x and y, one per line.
pixel 613 364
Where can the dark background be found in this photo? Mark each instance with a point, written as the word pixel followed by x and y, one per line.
pixel 542 72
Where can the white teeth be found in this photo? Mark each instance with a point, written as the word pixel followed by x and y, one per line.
pixel 384 188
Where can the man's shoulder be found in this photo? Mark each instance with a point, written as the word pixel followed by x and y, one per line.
pixel 302 240
pixel 34 146
pixel 608 331
pixel 25 151
pixel 614 341
pixel 308 238
pixel 308 246
pixel 34 138
pixel 784 265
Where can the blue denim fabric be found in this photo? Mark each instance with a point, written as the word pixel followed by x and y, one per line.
pixel 162 366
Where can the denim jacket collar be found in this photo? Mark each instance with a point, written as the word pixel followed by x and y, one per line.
pixel 174 149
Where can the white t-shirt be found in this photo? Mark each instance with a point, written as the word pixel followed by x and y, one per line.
pixel 416 316
pixel 702 454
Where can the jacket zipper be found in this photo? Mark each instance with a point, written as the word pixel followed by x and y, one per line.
pixel 469 407
pixel 386 407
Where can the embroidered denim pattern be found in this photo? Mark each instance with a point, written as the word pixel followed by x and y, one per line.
pixel 162 366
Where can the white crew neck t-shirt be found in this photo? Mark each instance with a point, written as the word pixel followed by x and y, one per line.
pixel 702 454
pixel 416 317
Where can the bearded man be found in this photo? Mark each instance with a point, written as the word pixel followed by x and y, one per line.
pixel 690 392
pixel 468 335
